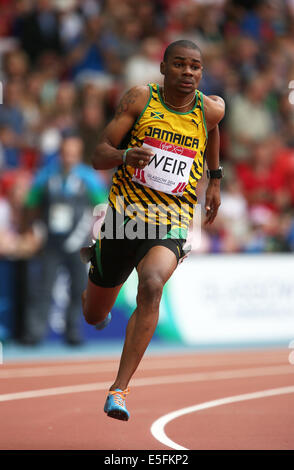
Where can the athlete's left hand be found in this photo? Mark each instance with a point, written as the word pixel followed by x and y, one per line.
pixel 212 201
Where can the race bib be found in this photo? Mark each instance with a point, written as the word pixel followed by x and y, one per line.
pixel 168 170
pixel 61 218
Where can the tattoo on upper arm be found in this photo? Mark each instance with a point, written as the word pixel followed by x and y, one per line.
pixel 129 98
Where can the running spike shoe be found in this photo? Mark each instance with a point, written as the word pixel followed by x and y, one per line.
pixel 101 325
pixel 115 405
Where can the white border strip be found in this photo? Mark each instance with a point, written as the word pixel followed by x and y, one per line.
pixel 157 428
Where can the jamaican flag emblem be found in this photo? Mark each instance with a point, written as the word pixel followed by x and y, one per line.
pixel 157 115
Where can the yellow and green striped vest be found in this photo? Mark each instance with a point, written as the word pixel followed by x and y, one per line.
pixel 185 130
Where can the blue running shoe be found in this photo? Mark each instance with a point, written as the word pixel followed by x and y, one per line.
pixel 103 323
pixel 115 405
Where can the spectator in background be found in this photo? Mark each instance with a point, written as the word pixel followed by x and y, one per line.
pixel 183 20
pixel 15 249
pixel 71 22
pixel 86 56
pixel 244 57
pixel 10 111
pixel 62 196
pixel 264 21
pixel 51 69
pixel 269 232
pixel 284 157
pixel 261 177
pixel 38 30
pixel 215 80
pixel 249 120
pixel 31 106
pixel 285 115
pixel 19 125
pixel 234 215
pixel 148 18
pixel 146 63
pixel 9 148
pixel 62 114
pixel 125 39
pixel 91 123
pixel 13 244
pixel 16 65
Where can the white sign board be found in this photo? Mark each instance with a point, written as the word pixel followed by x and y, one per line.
pixel 234 298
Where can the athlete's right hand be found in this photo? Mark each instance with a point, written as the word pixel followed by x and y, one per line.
pixel 138 157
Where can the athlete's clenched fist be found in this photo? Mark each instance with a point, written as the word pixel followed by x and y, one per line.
pixel 138 157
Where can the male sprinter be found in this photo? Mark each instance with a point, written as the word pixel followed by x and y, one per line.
pixel 157 139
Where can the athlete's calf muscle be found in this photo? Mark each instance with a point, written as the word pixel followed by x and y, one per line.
pixel 98 301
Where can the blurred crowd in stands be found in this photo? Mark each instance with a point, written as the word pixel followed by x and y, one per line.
pixel 64 64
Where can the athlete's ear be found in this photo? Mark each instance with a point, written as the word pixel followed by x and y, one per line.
pixel 162 68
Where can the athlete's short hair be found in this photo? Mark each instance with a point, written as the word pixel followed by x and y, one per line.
pixel 180 43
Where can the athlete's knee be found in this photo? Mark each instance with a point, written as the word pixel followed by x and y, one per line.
pixel 150 290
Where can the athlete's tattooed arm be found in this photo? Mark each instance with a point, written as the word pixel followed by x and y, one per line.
pixel 127 100
pixel 106 154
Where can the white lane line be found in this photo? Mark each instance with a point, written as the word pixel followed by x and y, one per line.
pixel 161 380
pixel 95 368
pixel 157 428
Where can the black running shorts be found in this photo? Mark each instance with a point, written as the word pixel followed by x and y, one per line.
pixel 113 260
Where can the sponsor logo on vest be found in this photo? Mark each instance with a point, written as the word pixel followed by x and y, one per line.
pixel 197 123
pixel 171 148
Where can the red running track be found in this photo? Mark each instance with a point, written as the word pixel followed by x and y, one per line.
pixel 236 400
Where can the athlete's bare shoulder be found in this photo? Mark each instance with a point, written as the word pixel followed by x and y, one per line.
pixel 133 101
pixel 214 109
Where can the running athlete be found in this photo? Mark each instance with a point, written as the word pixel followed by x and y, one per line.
pixel 157 141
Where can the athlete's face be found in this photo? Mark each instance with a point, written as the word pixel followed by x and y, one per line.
pixel 183 69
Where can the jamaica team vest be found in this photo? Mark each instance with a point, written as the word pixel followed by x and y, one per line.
pixel 168 183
